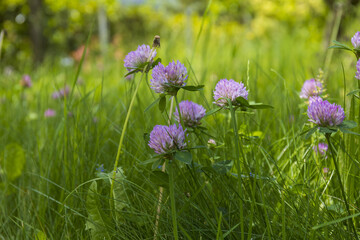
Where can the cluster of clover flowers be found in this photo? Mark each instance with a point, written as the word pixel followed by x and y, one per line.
pixel 329 117
pixel 167 80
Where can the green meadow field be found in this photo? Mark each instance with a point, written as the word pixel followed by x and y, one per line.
pixel 75 160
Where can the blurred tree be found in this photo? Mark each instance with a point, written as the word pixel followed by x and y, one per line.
pixel 36 21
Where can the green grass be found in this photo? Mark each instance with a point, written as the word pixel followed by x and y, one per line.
pixel 59 193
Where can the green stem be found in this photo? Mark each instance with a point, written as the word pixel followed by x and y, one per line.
pixel 328 138
pixel 172 199
pixel 179 112
pixel 123 134
pixel 238 168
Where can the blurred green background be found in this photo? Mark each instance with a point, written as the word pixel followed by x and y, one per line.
pixel 42 29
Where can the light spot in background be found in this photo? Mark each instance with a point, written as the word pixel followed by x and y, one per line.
pixel 20 18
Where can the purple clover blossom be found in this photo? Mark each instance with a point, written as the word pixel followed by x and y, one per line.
pixel 49 113
pixel 355 40
pixel 164 139
pixel 313 99
pixel 321 148
pixel 191 113
pixel 325 114
pixel 167 79
pixel 138 57
pixel 311 88
pixel 61 93
pixel 357 76
pixel 229 89
pixel 26 81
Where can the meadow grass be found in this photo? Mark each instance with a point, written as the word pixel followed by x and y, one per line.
pixel 274 187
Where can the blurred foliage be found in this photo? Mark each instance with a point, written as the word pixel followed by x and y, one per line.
pixel 68 22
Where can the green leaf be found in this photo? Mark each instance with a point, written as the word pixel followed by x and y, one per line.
pixel 152 104
pixel 162 104
pixel 242 101
pixel 120 197
pixel 353 92
pixel 260 106
pixel 184 157
pixel 345 130
pixel 13 161
pixel 193 88
pixel 348 124
pixel 327 130
pixel 156 62
pixel 339 45
pixel 97 221
pixel 223 167
pixel 132 72
pixel 310 132
pixel 160 178
pixel 212 111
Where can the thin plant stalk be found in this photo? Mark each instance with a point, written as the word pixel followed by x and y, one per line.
pixel 161 189
pixel 178 108
pixel 237 164
pixel 328 138
pixel 126 123
pixel 172 199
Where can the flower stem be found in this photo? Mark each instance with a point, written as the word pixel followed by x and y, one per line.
pixel 328 138
pixel 179 112
pixel 123 133
pixel 172 199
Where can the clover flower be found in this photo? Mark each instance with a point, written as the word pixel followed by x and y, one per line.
pixel 137 58
pixel 168 79
pixel 358 70
pixel 321 148
pixel 229 89
pixel 311 88
pixel 355 40
pixel 313 99
pixel 49 113
pixel 26 81
pixel 325 114
pixel 164 139
pixel 61 93
pixel 191 113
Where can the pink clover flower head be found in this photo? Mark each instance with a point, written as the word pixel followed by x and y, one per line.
pixel 164 139
pixel 311 88
pixel 229 89
pixel 61 93
pixel 357 76
pixel 167 79
pixel 355 40
pixel 191 113
pixel 26 81
pixel 321 149
pixel 325 114
pixel 141 55
pixel 49 113
pixel 325 170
